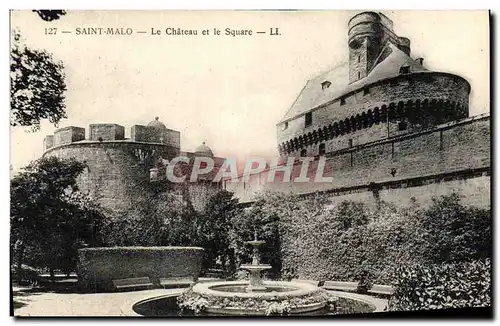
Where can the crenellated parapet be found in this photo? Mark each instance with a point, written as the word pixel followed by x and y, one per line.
pixel 397 118
pixel 155 133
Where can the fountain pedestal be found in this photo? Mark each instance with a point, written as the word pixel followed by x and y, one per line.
pixel 255 268
pixel 255 284
pixel 255 297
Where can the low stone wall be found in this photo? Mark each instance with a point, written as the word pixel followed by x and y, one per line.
pixel 98 267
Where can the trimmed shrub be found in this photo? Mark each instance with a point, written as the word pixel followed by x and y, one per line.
pixel 98 267
pixel 456 285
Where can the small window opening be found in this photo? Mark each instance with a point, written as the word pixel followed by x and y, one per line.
pixel 303 153
pixel 285 125
pixel 350 142
pixel 342 101
pixel 404 70
pixel 322 149
pixel 325 84
pixel 359 58
pixel 366 91
pixel 359 75
pixel 309 118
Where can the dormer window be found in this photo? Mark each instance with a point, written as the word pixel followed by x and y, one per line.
pixel 325 84
pixel 404 70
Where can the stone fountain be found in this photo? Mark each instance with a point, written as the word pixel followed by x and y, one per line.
pixel 255 268
pixel 255 296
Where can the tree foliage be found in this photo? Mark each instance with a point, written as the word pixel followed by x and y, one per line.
pixel 167 218
pixel 161 219
pixel 215 224
pixel 455 232
pixel 50 218
pixel 37 86
pixel 50 15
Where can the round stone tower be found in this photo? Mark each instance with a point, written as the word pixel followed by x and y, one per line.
pixel 118 168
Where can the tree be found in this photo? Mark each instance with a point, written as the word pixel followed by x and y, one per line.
pixel 37 86
pixel 50 15
pixel 162 218
pixel 213 226
pixel 50 218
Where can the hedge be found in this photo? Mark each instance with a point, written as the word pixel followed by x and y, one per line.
pixel 98 267
pixel 457 285
pixel 315 239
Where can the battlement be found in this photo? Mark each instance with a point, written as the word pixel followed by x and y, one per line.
pixel 106 131
pixel 156 133
pixel 68 135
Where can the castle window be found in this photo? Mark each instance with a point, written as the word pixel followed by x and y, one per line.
pixel 303 153
pixel 366 91
pixel 309 118
pixel 404 70
pixel 325 84
pixel 322 149
pixel 342 101
pixel 285 125
pixel 402 126
pixel 350 142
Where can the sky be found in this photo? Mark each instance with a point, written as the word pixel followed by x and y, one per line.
pixel 227 91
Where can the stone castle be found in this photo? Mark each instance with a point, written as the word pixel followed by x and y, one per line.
pixel 390 129
pixel 121 170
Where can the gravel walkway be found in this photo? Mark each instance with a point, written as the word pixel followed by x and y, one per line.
pixel 77 304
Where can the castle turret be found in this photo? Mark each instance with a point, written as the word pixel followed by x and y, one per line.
pixel 365 38
pixel 369 33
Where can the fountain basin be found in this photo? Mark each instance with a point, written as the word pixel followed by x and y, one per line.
pixel 230 298
pixel 284 289
pixel 259 267
pixel 255 243
pixel 168 306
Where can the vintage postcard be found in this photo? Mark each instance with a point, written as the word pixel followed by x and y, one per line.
pixel 250 163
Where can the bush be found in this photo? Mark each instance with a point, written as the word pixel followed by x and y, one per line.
pixel 350 242
pixel 455 285
pixel 455 232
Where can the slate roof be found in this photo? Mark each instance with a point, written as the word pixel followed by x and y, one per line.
pixel 387 66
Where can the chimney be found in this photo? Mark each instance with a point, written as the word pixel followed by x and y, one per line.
pixel 420 61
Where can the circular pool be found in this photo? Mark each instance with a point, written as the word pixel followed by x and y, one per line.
pixel 168 306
